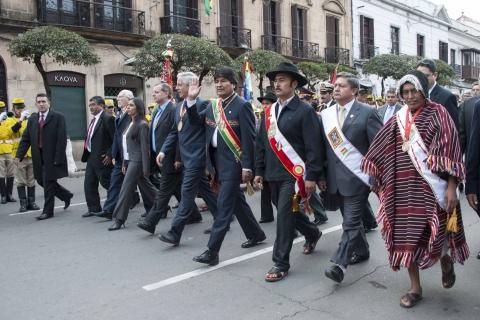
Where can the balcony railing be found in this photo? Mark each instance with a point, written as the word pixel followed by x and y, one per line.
pixel 83 13
pixel 368 51
pixel 337 55
pixel 291 47
pixel 470 72
pixel 234 37
pixel 179 24
pixel 458 70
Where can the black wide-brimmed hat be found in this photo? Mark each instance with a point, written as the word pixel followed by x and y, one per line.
pixel 291 69
pixel 269 96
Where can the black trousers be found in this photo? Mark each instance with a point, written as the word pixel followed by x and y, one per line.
pixel 287 222
pixel 168 184
pixel 266 209
pixel 231 200
pixel 52 189
pixel 95 173
pixel 353 236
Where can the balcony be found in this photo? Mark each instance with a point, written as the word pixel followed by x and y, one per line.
pixel 458 70
pixel 98 16
pixel 368 51
pixel 234 37
pixel 337 55
pixel 180 24
pixel 299 49
pixel 470 73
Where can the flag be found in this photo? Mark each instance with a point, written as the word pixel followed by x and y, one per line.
pixel 333 75
pixel 247 81
pixel 167 65
pixel 208 7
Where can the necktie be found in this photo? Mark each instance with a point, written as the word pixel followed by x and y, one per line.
pixel 341 115
pixel 154 127
pixel 41 123
pixel 86 144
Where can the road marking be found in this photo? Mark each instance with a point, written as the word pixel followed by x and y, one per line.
pixel 59 207
pixel 203 270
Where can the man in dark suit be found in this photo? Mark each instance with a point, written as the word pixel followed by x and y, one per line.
pixel 46 135
pixel 438 93
pixel 188 133
pixel 97 153
pixel 359 123
pixel 230 136
pixel 391 107
pixel 163 120
pixel 116 178
pixel 297 121
pixel 465 117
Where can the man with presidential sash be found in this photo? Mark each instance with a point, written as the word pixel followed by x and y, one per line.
pixel 292 162
pixel 349 129
pixel 230 141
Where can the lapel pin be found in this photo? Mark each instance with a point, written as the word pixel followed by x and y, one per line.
pixel 230 112
pixel 351 116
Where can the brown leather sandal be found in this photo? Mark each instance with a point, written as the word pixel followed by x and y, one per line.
pixel 448 278
pixel 275 274
pixel 410 299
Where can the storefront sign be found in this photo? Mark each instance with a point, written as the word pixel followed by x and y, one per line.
pixel 66 79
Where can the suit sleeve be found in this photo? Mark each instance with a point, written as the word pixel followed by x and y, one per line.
pixel 247 131
pixel 473 155
pixel 260 149
pixel 110 131
pixel 452 108
pixel 60 150
pixel 462 127
pixel 145 147
pixel 314 145
pixel 196 113
pixel 25 142
pixel 374 124
pixel 171 141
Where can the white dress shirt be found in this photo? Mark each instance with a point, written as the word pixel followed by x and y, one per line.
pixel 124 142
pixel 89 142
pixel 389 112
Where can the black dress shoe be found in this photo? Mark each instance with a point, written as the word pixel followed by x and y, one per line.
pixel 356 258
pixel 44 216
pixel 478 255
pixel 320 221
pixel 10 198
pixel 208 257
pixel 67 202
pixel 335 273
pixel 147 227
pixel 104 214
pixel 90 214
pixel 168 239
pixel 144 215
pixel 253 242
pixel 265 220
pixel 117 225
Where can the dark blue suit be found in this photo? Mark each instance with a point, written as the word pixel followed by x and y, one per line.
pixel 472 185
pixel 222 164
pixel 191 141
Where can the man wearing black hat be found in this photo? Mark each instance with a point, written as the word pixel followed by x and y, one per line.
pixel 438 93
pixel 292 162
pixel 230 137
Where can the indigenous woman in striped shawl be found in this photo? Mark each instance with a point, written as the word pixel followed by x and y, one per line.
pixel 416 163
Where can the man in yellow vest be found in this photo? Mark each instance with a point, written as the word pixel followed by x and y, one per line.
pixel 24 169
pixel 6 160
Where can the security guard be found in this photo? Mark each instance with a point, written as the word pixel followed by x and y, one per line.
pixel 326 95
pixel 6 161
pixel 24 169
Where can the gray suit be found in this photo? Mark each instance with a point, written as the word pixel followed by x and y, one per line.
pixel 360 127
pixel 138 171
pixel 383 110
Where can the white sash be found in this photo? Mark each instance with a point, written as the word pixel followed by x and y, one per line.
pixel 344 149
pixel 418 154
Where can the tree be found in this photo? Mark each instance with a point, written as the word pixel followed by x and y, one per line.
pixel 445 73
pixel 314 72
pixel 197 55
pixel 389 65
pixel 262 61
pixel 58 44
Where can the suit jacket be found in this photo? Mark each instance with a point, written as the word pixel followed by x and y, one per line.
pixel 162 130
pixel 222 163
pixel 101 141
pixel 383 110
pixel 138 147
pixel 300 125
pixel 465 121
pixel 472 185
pixel 361 125
pixel 191 139
pixel 52 159
pixel 121 124
pixel 448 100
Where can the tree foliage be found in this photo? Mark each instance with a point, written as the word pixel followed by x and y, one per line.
pixel 60 45
pixel 314 72
pixel 262 61
pixel 445 73
pixel 193 54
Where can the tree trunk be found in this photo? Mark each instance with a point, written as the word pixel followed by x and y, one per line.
pixel 202 75
pixel 38 63
pixel 260 86
pixel 383 86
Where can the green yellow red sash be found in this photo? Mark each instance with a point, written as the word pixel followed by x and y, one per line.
pixel 225 129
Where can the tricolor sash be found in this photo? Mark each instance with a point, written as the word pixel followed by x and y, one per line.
pixel 418 153
pixel 343 149
pixel 225 129
pixel 284 151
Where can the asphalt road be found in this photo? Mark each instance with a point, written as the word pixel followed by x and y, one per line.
pixel 73 268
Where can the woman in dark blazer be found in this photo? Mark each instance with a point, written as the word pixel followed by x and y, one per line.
pixel 136 164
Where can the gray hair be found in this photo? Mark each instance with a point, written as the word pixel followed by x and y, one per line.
pixel 127 93
pixel 187 77
pixel 351 79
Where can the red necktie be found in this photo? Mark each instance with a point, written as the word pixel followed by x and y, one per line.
pixel 89 134
pixel 41 123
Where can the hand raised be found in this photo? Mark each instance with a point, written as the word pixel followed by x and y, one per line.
pixel 194 89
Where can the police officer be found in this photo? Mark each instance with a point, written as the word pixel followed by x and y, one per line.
pixel 326 96
pixel 6 160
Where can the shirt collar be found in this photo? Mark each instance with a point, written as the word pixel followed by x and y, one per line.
pixel 97 116
pixel 228 99
pixel 431 89
pixel 286 102
pixel 348 106
pixel 163 106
